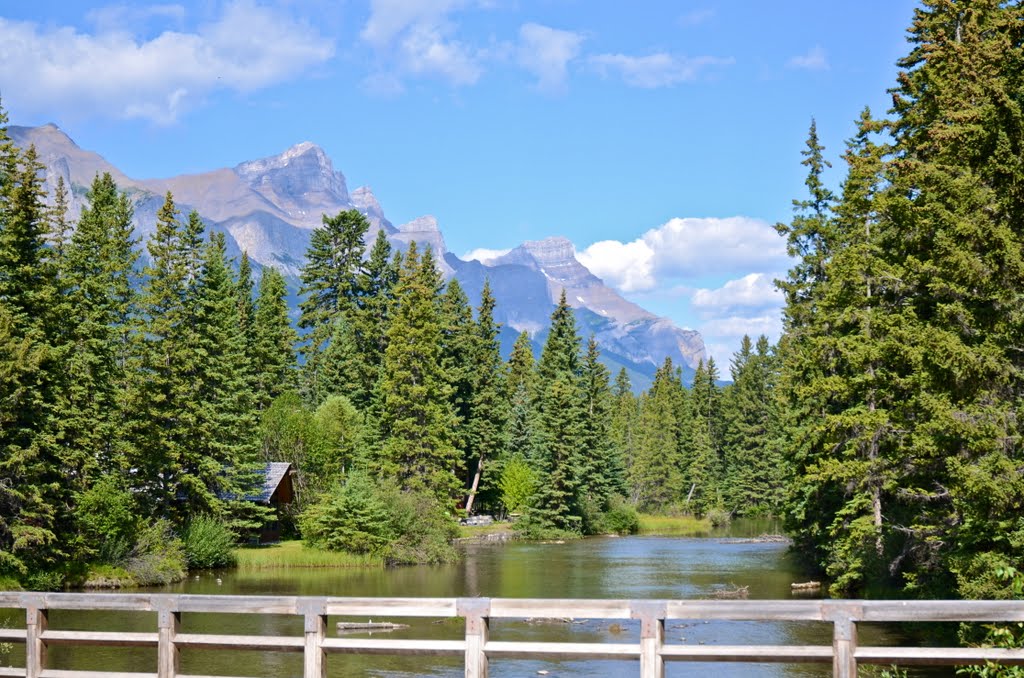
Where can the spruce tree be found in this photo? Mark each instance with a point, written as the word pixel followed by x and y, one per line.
pixel 330 285
pixel 655 471
pixel 273 349
pixel 416 414
pixel 489 407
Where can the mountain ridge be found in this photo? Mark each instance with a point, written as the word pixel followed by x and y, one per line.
pixel 269 206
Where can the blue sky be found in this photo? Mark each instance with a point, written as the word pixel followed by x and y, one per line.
pixel 662 138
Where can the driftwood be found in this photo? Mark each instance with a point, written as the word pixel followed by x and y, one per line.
pixel 734 593
pixel 370 626
pixel 806 586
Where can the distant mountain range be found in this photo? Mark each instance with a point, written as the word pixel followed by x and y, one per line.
pixel 269 207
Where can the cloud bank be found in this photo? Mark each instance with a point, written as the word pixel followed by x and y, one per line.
pixel 112 73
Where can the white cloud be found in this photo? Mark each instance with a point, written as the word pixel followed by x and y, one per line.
pixel 546 52
pixel 427 51
pixel 389 18
pixel 626 266
pixel 483 254
pixel 113 18
pixel 111 73
pixel 752 291
pixel 686 248
pixel 814 60
pixel 655 70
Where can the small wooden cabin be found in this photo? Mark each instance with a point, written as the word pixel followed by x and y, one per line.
pixel 278 493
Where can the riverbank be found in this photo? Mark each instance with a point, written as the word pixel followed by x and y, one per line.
pixel 673 526
pixel 293 553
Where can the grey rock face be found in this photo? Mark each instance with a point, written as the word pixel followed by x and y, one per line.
pixel 268 207
pixel 301 182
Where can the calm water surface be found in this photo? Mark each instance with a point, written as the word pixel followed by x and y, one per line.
pixel 627 567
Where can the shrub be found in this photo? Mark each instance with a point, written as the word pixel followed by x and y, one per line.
pixel 424 530
pixel 208 543
pixel 364 517
pixel 719 517
pixel 158 556
pixel 622 518
pixel 352 517
pixel 108 518
pixel 518 484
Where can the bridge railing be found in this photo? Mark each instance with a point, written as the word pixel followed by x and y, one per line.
pixel 477 647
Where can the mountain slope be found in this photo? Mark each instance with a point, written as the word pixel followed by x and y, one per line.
pixel 268 208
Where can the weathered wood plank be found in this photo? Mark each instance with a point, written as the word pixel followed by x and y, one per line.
pixel 51 673
pixel 36 620
pixel 789 654
pixel 135 602
pixel 237 604
pixel 13 635
pixel 942 610
pixel 100 638
pixel 745 610
pixel 240 642
pixel 938 656
pixel 9 671
pixel 394 646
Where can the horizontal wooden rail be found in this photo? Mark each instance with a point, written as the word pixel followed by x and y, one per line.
pixel 477 647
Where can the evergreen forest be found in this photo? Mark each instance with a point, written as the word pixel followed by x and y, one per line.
pixel 140 396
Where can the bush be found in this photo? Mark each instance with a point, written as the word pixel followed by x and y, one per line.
pixel 158 556
pixel 622 518
pixel 364 517
pixel 208 543
pixel 108 518
pixel 351 517
pixel 424 530
pixel 719 517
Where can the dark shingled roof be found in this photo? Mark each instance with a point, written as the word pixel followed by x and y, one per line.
pixel 273 473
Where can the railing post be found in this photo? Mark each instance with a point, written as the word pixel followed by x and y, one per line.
pixel 315 664
pixel 844 617
pixel 476 612
pixel 652 637
pixel 36 621
pixel 168 654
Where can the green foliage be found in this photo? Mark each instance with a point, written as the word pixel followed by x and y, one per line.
pixel 157 557
pixel 621 518
pixel 361 516
pixel 518 484
pixel 209 542
pixel 718 517
pixel 108 516
pixel 417 416
pixel 352 517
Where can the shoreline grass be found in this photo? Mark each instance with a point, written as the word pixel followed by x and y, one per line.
pixel 294 553
pixel 476 531
pixel 673 526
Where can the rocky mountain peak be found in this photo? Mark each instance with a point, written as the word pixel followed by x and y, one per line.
pixel 366 202
pixel 425 231
pixel 301 181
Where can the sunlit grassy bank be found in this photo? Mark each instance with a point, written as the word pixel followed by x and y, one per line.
pixel 674 526
pixel 480 531
pixel 295 554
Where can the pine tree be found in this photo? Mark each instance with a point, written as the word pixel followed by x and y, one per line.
pixel 520 366
pixel 489 407
pixel 754 474
pixel 655 471
pixel 603 474
pixel 99 271
pixel 273 349
pixel 370 320
pixel 416 416
pixel 458 353
pixel 560 415
pixel 623 429
pixel 330 285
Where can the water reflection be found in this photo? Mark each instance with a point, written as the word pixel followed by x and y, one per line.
pixel 629 567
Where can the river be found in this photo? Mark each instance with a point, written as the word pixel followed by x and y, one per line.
pixel 608 567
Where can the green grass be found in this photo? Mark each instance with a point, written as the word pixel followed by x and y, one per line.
pixel 466 531
pixel 295 554
pixel 673 526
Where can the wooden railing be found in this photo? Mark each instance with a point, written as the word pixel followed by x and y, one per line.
pixel 652 651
